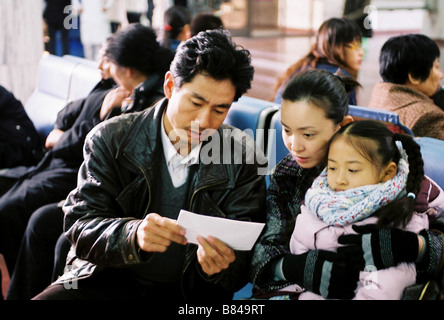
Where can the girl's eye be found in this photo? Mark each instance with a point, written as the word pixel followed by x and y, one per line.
pixel 331 168
pixel 352 171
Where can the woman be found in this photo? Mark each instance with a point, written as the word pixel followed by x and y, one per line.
pixel 409 67
pixel 314 108
pixel 337 49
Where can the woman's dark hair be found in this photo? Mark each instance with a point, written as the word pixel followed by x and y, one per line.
pixel 205 21
pixel 212 53
pixel 381 153
pixel 136 46
pixel 175 19
pixel 323 89
pixel 331 38
pixel 412 54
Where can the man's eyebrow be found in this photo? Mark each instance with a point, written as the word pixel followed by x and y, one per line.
pixel 223 105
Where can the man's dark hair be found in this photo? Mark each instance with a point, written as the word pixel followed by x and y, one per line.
pixel 212 53
pixel 412 54
pixel 136 46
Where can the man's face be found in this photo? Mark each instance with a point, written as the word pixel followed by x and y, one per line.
pixel 196 109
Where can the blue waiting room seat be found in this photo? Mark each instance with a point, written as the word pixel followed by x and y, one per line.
pixel 252 116
pixel 391 119
pixel 432 151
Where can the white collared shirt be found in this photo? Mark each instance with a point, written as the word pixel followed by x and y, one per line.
pixel 177 165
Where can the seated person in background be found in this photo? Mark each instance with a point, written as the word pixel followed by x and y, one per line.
pixel 176 27
pixel 20 144
pixel 140 170
pixel 337 49
pixel 205 21
pixel 409 67
pixel 135 60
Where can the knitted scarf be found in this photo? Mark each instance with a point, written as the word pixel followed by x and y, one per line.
pixel 346 207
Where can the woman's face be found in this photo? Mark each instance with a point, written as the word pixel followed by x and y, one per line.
pixel 306 132
pixel 432 84
pixel 104 67
pixel 353 54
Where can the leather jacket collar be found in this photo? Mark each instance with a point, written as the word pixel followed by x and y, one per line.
pixel 142 142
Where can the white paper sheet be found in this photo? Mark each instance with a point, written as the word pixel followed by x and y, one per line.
pixel 239 235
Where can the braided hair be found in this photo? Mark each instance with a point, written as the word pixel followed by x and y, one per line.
pixel 381 153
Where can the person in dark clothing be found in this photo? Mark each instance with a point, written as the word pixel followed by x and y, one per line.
pixel 358 11
pixel 183 3
pixel 54 16
pixel 133 48
pixel 20 143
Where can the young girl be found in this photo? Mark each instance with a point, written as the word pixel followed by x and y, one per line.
pixel 337 49
pixel 369 179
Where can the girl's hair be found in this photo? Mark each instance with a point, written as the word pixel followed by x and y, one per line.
pixel 175 19
pixel 323 89
pixel 331 38
pixel 382 152
pixel 136 46
pixel 407 54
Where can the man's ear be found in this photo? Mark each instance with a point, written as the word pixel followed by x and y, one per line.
pixel 389 172
pixel 168 85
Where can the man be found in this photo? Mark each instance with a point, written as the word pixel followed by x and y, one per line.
pixel 140 170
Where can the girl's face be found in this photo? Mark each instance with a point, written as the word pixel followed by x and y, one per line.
pixel 306 132
pixel 348 168
pixel 353 54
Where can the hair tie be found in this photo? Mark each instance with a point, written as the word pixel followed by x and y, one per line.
pixel 411 195
pixel 168 27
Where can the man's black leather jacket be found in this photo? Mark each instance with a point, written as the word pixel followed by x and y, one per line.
pixel 114 191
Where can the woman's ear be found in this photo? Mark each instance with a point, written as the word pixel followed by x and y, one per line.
pixel 168 85
pixel 389 172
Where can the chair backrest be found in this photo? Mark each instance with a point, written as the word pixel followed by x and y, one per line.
pixel 51 92
pixel 391 119
pixel 276 149
pixel 252 116
pixel 59 80
pixel 432 151
pixel 84 78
